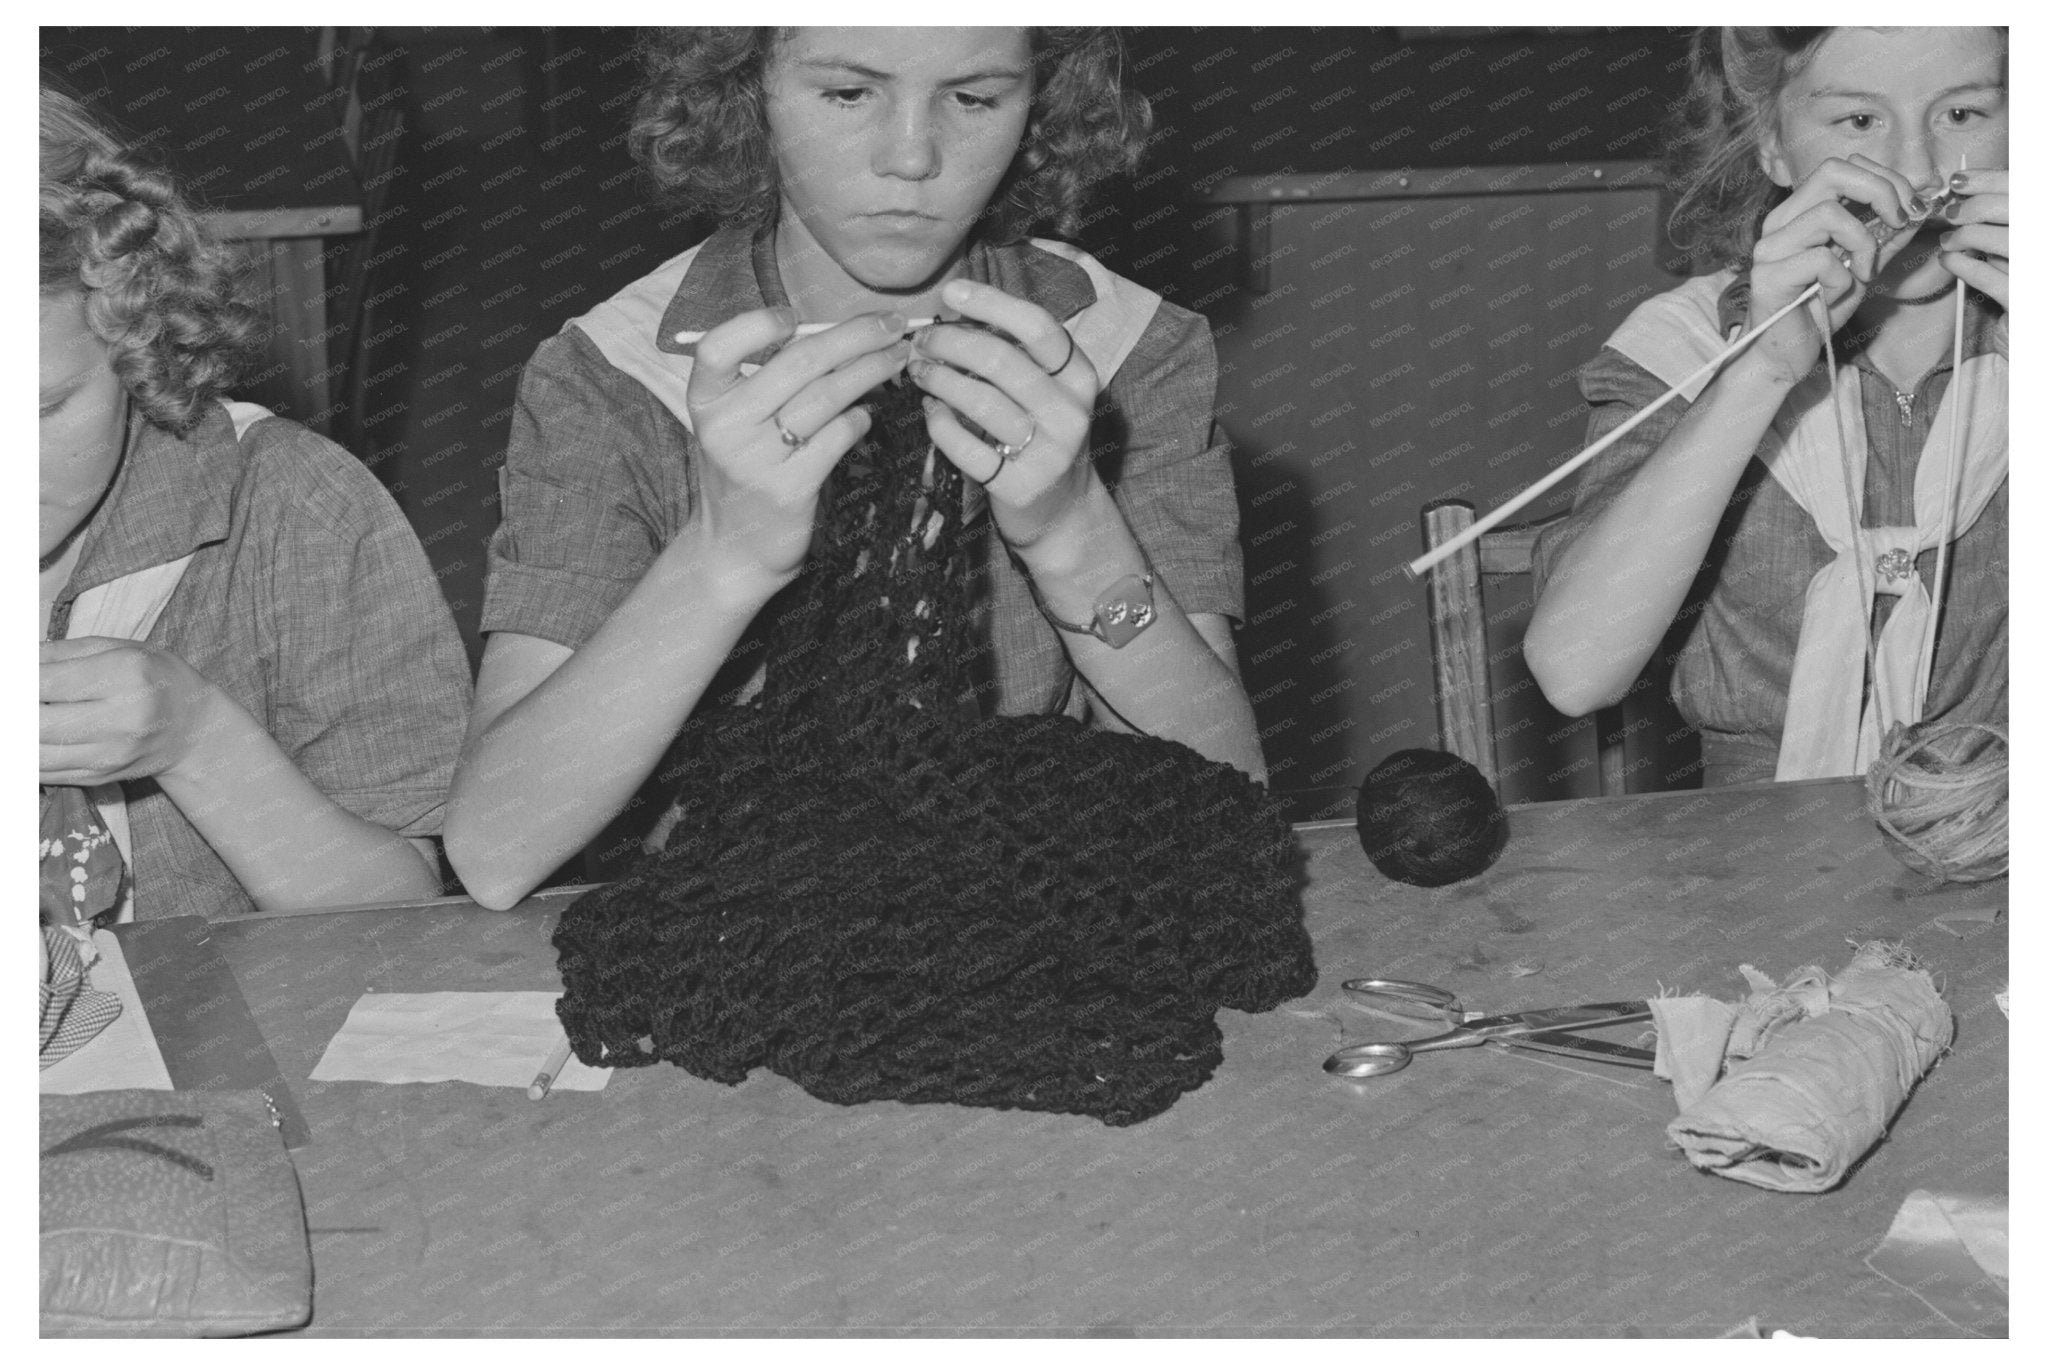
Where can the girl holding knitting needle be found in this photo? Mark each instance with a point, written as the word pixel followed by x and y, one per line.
pixel 668 448
pixel 1782 517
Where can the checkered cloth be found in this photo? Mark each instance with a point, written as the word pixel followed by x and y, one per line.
pixel 73 1012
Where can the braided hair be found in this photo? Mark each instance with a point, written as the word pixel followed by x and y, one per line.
pixel 159 291
pixel 874 891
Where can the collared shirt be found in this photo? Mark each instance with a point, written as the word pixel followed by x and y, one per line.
pixel 599 474
pixel 309 602
pixel 1739 629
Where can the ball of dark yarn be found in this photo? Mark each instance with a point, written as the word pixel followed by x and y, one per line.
pixel 1430 818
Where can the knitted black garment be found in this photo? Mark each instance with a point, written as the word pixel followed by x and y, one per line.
pixel 880 896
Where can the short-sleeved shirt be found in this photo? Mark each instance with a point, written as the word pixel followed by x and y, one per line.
pixel 309 602
pixel 599 474
pixel 1739 630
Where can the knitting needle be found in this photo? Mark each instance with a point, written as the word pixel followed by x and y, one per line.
pixel 803 329
pixel 1956 395
pixel 549 1070
pixel 1424 563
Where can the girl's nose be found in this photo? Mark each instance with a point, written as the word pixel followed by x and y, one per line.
pixel 907 146
pixel 1916 156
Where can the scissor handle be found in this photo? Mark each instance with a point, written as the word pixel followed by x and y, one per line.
pixel 1361 1060
pixel 1406 999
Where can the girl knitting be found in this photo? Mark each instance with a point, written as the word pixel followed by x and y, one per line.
pixel 252 691
pixel 669 448
pixel 1741 524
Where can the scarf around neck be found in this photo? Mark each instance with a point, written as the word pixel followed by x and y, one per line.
pixel 1831 721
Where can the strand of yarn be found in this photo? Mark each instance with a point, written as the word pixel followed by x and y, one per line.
pixel 1940 806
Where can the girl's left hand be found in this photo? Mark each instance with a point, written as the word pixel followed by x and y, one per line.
pixel 1037 396
pixel 117 709
pixel 1980 216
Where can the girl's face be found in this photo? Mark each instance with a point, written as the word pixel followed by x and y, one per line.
pixel 84 418
pixel 890 141
pixel 1914 99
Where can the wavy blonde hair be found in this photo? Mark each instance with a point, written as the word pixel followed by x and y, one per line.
pixel 165 297
pixel 700 129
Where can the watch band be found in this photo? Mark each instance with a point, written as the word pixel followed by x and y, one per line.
pixel 1122 611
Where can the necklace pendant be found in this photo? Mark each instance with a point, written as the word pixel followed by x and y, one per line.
pixel 1894 565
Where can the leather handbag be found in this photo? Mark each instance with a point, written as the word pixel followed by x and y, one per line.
pixel 169 1214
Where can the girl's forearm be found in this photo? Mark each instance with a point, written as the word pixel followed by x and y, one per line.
pixel 548 766
pixel 1168 681
pixel 286 841
pixel 1616 590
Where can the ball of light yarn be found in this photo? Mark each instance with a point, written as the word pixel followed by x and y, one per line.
pixel 1938 795
pixel 1430 818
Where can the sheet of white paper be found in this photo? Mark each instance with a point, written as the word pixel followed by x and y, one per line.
pixel 483 1037
pixel 124 1054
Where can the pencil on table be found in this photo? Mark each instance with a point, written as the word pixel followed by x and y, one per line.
pixel 803 329
pixel 549 1070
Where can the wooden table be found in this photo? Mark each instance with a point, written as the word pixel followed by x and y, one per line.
pixel 1476 1193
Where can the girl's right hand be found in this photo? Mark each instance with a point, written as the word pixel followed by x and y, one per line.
pixel 1796 251
pixel 756 498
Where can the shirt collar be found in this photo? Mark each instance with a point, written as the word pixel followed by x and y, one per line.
pixel 735 272
pixel 170 496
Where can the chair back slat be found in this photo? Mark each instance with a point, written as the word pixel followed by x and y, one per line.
pixel 1457 640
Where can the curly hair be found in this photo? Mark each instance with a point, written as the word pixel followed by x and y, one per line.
pixel 700 129
pixel 159 291
pixel 1718 127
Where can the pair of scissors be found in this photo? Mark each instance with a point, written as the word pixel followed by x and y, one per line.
pixel 1534 1030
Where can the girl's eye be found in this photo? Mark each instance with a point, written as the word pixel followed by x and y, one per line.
pixel 1963 114
pixel 969 100
pixel 846 95
pixel 1861 123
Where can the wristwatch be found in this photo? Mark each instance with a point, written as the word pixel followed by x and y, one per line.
pixel 1122 611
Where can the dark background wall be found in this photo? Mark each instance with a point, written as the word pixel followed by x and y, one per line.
pixel 499 201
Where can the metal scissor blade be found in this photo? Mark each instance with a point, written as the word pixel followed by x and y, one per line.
pixel 1563 1017
pixel 1590 1049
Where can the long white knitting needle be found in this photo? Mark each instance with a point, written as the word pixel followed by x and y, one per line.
pixel 803 329
pixel 1956 396
pixel 1419 566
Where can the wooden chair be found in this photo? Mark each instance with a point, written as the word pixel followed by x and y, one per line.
pixel 1457 640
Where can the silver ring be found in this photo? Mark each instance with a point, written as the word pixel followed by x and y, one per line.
pixel 1007 452
pixel 1068 361
pixel 789 438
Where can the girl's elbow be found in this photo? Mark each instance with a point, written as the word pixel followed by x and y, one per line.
pixel 1561 676
pixel 480 867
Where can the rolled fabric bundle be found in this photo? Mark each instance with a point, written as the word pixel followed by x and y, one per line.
pixel 1812 1072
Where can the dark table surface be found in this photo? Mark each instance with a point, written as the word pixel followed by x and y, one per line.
pixel 1476 1193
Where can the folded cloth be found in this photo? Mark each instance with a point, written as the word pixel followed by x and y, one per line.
pixel 73 1013
pixel 1952 1252
pixel 1789 1089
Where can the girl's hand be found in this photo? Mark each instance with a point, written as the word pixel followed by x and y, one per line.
pixel 1980 217
pixel 119 709
pixel 1796 250
pixel 757 489
pixel 1036 396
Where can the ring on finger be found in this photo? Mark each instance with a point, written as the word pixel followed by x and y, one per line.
pixel 1064 363
pixel 1007 452
pixel 789 438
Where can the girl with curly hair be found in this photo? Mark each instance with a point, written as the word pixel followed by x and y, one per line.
pixel 670 447
pixel 1782 523
pixel 252 691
